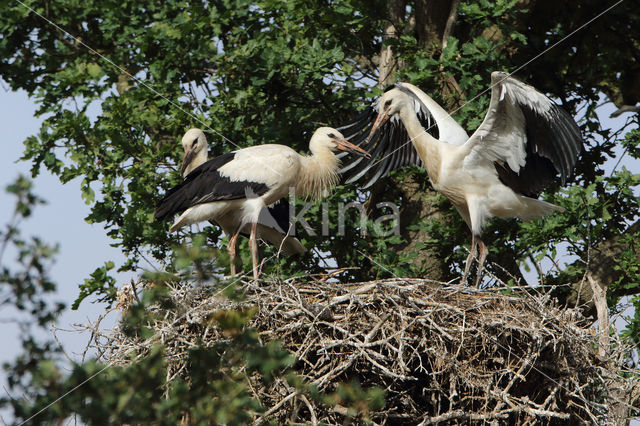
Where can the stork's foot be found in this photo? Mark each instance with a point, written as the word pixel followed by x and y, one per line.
pixel 465 276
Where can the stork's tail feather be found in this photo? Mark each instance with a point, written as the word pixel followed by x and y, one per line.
pixel 181 221
pixel 177 225
pixel 537 208
pixel 289 244
pixel 163 211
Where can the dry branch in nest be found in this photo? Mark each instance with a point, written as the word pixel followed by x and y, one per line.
pixel 444 354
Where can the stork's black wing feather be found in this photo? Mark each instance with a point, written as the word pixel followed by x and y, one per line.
pixel 390 147
pixel 554 136
pixel 553 139
pixel 204 185
pixel 281 213
pixel 552 147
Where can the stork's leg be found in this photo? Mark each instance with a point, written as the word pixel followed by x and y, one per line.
pixel 253 245
pixel 472 255
pixel 482 256
pixel 231 250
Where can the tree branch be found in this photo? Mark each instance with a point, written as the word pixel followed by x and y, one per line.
pixel 605 271
pixel 451 20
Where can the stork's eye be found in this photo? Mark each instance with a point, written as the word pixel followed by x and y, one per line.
pixel 195 141
pixel 387 104
pixel 331 135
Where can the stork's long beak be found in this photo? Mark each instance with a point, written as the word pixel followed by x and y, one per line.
pixel 345 145
pixel 188 156
pixel 380 121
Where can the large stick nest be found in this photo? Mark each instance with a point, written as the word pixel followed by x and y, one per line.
pixel 444 354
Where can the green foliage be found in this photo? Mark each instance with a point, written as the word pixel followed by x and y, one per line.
pixel 118 93
pixel 263 72
pixel 632 332
pixel 24 285
pixel 247 72
pixel 25 290
pixel 214 388
pixel 361 401
pixel 100 283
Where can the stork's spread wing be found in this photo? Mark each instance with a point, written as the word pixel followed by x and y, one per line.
pixel 529 138
pixel 390 147
pixel 205 184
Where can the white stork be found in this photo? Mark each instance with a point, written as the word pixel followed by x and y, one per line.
pixel 273 222
pixel 241 183
pixel 523 143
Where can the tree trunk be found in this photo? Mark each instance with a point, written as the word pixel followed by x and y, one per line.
pixel 388 61
pixel 418 204
pixel 434 22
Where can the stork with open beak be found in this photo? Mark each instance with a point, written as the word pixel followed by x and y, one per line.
pixel 523 144
pixel 238 185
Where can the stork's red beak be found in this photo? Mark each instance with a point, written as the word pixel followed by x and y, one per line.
pixel 381 119
pixel 188 156
pixel 345 145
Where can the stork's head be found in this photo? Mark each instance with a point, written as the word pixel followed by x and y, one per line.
pixel 392 101
pixel 195 147
pixel 329 138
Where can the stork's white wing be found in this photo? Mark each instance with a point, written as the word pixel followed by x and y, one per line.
pixel 235 175
pixel 269 164
pixel 528 137
pixel 391 147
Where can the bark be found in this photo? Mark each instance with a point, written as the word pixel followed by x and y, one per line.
pixel 432 19
pixel 418 204
pixel 388 59
pixel 600 300
pixel 604 270
pixel 434 23
pixel 451 20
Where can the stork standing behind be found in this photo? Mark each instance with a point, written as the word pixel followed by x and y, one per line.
pixel 243 182
pixel 523 143
pixel 273 223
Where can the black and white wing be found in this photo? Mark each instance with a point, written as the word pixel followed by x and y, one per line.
pixel 391 147
pixel 206 184
pixel 528 137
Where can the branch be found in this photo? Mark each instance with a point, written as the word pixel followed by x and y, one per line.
pixel 600 300
pixel 451 20
pixel 604 270
pixel 388 62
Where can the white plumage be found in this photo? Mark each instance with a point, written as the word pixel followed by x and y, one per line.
pixel 524 142
pixel 234 188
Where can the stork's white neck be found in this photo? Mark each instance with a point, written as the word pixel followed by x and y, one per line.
pixel 200 158
pixel 426 145
pixel 318 174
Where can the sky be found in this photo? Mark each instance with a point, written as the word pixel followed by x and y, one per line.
pixel 82 247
